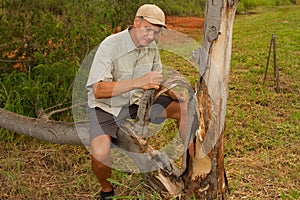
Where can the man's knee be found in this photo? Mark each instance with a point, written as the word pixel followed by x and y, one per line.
pixel 100 154
pixel 101 148
pixel 177 109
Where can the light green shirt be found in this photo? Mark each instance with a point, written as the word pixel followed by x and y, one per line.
pixel 117 58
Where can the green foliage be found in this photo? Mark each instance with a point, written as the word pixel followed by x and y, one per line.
pixel 47 40
pixel 183 7
pixel 48 31
pixel 43 86
pixel 42 50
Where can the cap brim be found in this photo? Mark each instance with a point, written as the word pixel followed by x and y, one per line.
pixel 155 22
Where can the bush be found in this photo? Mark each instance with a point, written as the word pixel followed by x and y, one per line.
pixel 43 43
pixel 42 49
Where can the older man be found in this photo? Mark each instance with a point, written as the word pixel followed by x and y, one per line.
pixel 125 65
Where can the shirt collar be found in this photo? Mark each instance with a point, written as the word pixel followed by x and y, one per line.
pixel 129 42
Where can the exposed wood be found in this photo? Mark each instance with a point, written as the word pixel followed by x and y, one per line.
pixel 214 58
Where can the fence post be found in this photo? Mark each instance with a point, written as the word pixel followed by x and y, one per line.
pixel 276 70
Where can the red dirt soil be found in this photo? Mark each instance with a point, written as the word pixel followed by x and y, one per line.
pixel 185 22
pixel 192 26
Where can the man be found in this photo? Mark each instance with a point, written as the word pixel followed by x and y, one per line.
pixel 125 65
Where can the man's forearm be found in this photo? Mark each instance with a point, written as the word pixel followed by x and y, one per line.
pixel 104 89
pixel 110 89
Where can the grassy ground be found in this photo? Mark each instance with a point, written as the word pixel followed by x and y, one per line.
pixel 262 133
pixel 262 153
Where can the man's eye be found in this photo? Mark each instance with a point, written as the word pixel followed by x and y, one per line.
pixel 156 32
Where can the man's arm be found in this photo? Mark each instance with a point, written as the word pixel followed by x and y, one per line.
pixel 104 89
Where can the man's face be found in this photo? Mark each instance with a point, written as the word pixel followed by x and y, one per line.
pixel 145 32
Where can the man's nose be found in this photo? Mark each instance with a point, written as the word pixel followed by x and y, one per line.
pixel 151 35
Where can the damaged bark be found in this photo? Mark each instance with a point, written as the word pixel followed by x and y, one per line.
pixel 214 58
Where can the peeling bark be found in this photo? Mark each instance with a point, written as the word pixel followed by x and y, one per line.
pixel 214 58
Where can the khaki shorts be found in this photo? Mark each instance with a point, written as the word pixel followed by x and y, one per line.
pixel 104 123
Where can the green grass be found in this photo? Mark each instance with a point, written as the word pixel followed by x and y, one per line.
pixel 263 125
pixel 246 5
pixel 262 132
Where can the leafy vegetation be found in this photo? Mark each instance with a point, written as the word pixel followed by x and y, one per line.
pixel 47 40
pixel 44 42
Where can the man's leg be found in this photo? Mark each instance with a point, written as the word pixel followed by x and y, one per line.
pixel 179 111
pixel 101 160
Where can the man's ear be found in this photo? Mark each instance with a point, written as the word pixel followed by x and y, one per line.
pixel 136 22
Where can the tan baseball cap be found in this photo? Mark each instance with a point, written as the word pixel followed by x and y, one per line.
pixel 153 14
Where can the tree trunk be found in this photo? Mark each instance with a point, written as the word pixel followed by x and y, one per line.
pixel 214 60
pixel 204 176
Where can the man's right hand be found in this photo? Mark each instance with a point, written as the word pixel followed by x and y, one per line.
pixel 151 80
